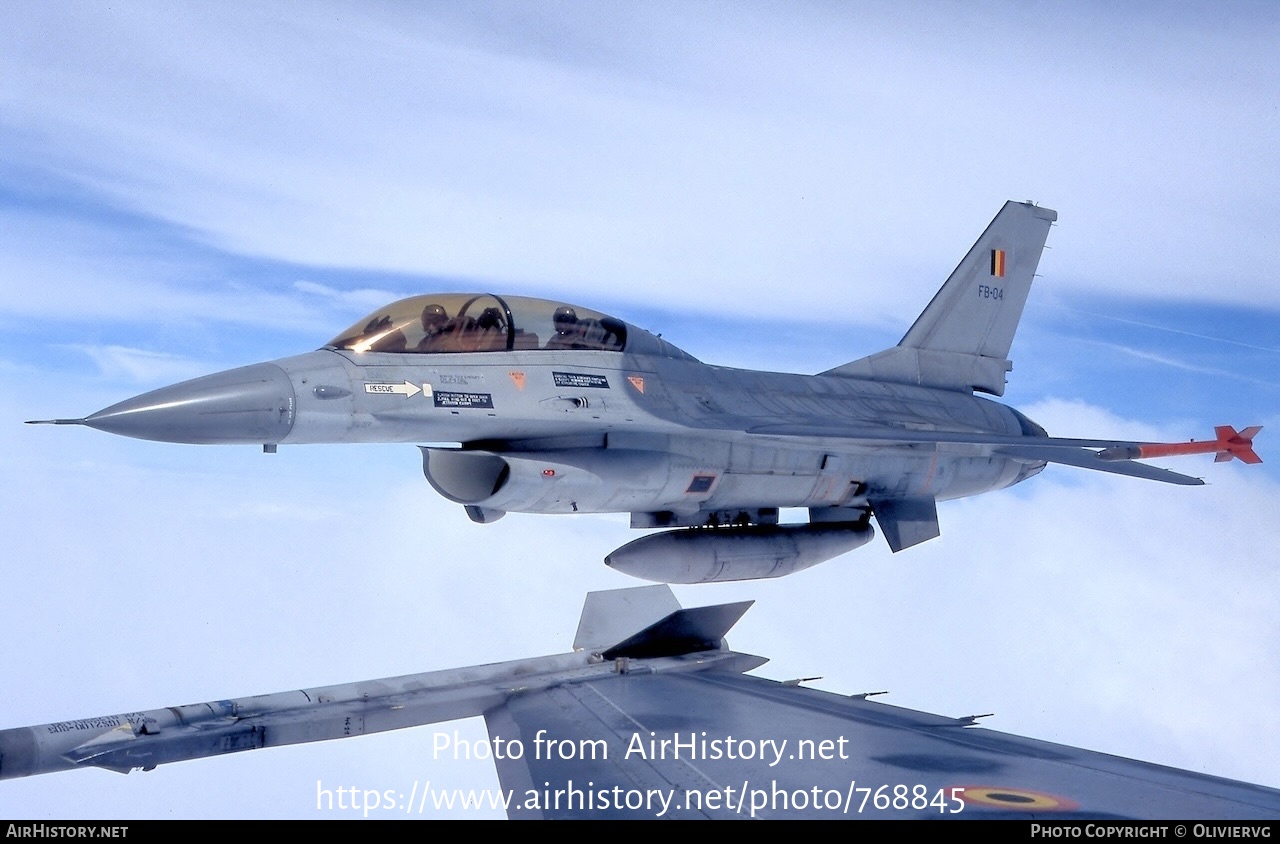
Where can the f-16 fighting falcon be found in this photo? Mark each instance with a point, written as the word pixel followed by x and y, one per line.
pixel 539 406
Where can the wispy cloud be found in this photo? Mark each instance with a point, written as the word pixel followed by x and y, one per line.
pixel 358 300
pixel 141 365
pixel 1171 330
pixel 1184 365
pixel 179 181
pixel 635 150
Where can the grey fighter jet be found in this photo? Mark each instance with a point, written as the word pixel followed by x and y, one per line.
pixel 551 408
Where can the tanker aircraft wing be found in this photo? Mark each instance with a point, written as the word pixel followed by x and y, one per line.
pixel 653 715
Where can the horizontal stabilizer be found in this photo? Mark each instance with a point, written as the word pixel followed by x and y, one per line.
pixel 1083 458
pixel 682 632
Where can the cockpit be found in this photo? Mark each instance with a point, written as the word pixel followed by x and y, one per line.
pixel 453 323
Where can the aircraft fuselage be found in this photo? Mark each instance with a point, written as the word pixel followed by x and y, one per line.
pixel 535 406
pixel 594 431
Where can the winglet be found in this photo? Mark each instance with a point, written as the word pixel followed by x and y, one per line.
pixel 612 615
pixel 683 632
pixel 647 621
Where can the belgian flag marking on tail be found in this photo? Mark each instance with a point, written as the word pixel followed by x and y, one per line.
pixel 997 263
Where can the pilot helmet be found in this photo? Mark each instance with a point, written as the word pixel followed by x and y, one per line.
pixel 433 316
pixel 565 319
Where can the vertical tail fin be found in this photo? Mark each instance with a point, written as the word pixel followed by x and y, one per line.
pixel 961 340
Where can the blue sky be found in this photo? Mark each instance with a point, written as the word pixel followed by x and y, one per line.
pixel 187 188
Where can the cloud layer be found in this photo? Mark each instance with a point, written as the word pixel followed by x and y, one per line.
pixel 184 189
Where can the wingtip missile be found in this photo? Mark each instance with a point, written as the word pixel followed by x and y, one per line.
pixel 1229 443
pixel 1238 445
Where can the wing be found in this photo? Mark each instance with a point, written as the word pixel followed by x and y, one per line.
pixel 665 723
pixel 721 745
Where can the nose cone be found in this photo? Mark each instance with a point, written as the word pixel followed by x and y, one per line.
pixel 252 404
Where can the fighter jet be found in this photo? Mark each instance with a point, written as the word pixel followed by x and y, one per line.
pixel 538 406
pixel 653 715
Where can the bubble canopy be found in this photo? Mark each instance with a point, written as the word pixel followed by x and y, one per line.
pixel 454 323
